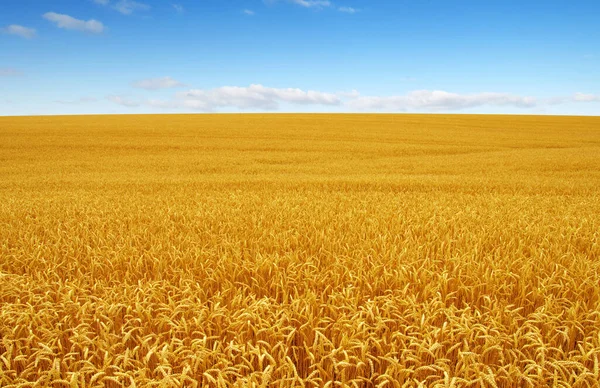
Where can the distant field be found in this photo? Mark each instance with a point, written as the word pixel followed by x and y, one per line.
pixel 289 250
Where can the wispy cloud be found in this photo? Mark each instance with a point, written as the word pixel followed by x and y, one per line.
pixel 78 101
pixel 70 23
pixel 312 3
pixel 179 8
pixel 347 10
pixel 157 83
pixel 442 101
pixel 584 97
pixel 120 100
pixel 23 32
pixel 577 97
pixel 438 100
pixel 248 12
pixel 127 7
pixel 253 97
pixel 9 72
pixel 305 3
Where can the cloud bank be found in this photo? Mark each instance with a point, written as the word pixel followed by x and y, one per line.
pixel 257 97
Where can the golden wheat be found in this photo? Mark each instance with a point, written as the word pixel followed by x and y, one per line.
pixel 300 250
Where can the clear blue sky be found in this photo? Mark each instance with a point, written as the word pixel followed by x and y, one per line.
pixel 124 56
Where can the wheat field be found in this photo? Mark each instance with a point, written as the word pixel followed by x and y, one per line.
pixel 300 250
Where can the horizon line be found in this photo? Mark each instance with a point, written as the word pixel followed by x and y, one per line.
pixel 304 114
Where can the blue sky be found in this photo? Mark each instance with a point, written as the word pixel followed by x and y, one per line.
pixel 161 56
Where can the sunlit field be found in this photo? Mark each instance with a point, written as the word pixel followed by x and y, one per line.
pixel 300 250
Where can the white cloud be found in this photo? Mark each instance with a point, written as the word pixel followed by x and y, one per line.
pixel 248 12
pixel 257 97
pixel 577 97
pixel 23 32
pixel 70 23
pixel 254 97
pixel 157 83
pixel 179 8
pixel 120 100
pixel 9 72
pixel 438 100
pixel 127 7
pixel 347 10
pixel 312 3
pixel 305 3
pixel 583 97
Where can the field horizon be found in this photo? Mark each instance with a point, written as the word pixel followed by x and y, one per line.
pixel 292 113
